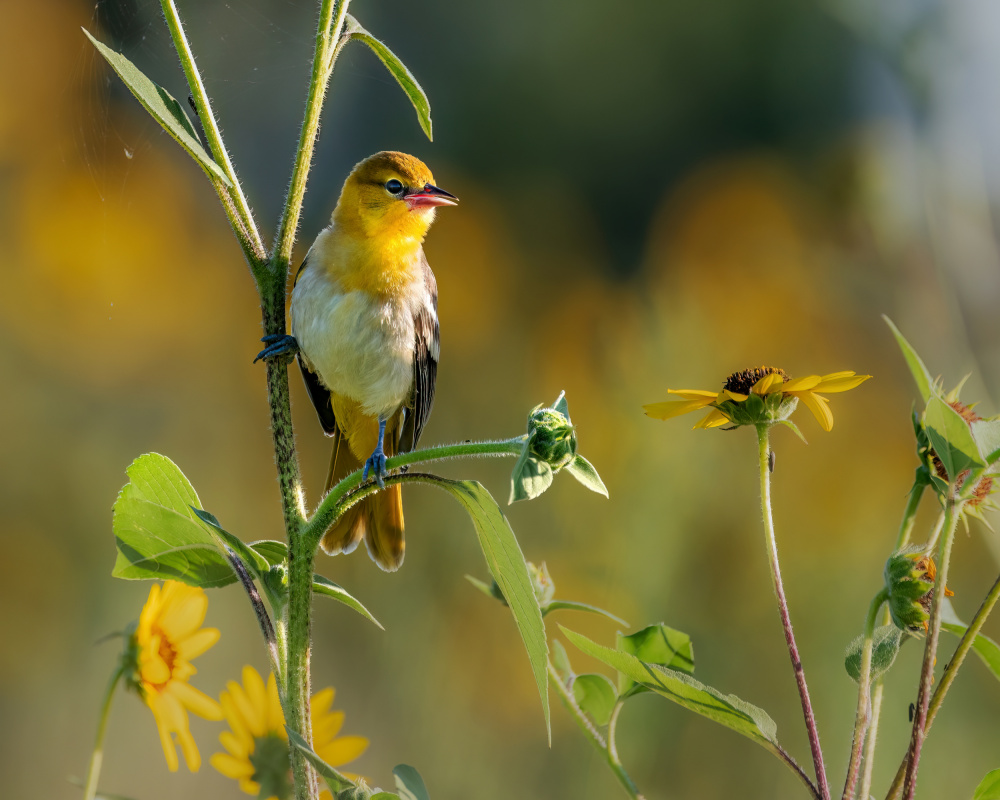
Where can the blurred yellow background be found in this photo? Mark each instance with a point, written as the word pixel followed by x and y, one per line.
pixel 652 197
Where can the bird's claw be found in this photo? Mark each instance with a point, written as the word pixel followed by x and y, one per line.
pixel 376 463
pixel 278 344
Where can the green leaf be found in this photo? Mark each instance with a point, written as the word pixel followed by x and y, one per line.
pixel 795 429
pixel 334 779
pixel 584 471
pixel 561 405
pixel 984 647
pixel 509 569
pixel 886 641
pixel 274 552
pixel 951 438
pixel 925 384
pixel 987 435
pixel 529 478
pixel 489 589
pixel 596 695
pixel 385 796
pixel 255 563
pixel 989 787
pixel 327 588
pixel 656 644
pixel 727 710
pixel 164 108
pixel 571 605
pixel 157 534
pixel 409 784
pixel 353 30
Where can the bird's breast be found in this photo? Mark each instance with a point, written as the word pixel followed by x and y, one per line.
pixel 361 345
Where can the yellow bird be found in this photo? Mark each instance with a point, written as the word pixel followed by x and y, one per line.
pixel 365 326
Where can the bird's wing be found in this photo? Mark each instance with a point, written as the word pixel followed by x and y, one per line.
pixel 318 393
pixel 427 349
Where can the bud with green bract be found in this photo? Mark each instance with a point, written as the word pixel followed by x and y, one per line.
pixel 909 579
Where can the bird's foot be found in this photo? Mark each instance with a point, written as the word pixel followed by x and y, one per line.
pixel 278 345
pixel 376 463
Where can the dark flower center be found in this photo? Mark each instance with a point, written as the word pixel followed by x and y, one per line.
pixel 742 382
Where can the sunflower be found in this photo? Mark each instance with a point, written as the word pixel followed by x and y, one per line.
pixel 763 395
pixel 165 640
pixel 257 744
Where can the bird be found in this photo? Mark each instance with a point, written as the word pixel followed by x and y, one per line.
pixel 364 327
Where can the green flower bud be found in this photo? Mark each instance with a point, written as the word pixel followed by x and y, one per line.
pixel 909 579
pixel 551 437
pixel 544 588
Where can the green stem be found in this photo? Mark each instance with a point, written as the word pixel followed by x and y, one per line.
pixel 235 204
pixel 332 506
pixel 606 747
pixel 948 677
pixel 327 36
pixel 906 526
pixel 763 452
pixel 952 511
pixel 863 714
pixel 97 756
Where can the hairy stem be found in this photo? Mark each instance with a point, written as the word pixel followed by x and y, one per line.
pixel 235 204
pixel 952 509
pixel 903 537
pixel 605 746
pixel 331 506
pixel 763 452
pixel 863 714
pixel 97 756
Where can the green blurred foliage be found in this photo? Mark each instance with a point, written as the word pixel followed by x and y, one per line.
pixel 660 194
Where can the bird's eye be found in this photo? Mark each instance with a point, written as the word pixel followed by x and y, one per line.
pixel 393 186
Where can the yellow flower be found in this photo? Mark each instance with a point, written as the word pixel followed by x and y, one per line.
pixel 257 743
pixel 758 396
pixel 167 637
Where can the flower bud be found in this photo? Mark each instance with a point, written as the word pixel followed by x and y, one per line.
pixel 551 437
pixel 909 579
pixel 543 585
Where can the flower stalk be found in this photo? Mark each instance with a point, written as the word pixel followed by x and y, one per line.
pixel 97 756
pixel 763 450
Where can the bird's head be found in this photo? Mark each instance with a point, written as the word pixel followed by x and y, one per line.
pixel 390 195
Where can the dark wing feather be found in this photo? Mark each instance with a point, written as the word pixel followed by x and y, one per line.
pixel 427 348
pixel 320 397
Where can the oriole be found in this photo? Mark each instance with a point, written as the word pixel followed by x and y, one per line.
pixel 365 326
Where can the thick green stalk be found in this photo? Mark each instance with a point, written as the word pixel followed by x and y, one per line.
pixel 952 509
pixel 327 36
pixel 97 756
pixel 235 204
pixel 863 714
pixel 763 453
pixel 331 507
pixel 606 747
pixel 906 526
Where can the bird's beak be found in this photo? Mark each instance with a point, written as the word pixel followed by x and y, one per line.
pixel 429 197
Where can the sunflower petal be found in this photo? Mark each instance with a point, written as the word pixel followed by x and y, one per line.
pixel 234 745
pixel 767 384
pixel 675 408
pixel 801 384
pixel 713 419
pixel 841 382
pixel 820 408
pixel 737 396
pixel 197 643
pixel 343 750
pixel 235 768
pixel 195 701
pixel 693 394
pixel 185 612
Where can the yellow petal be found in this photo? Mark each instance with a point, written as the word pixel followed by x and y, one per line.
pixel 197 643
pixel 674 408
pixel 234 745
pixel 190 750
pixel 184 614
pixel 235 768
pixel 841 382
pixel 236 721
pixel 322 702
pixel 767 384
pixel 737 396
pixel 326 727
pixel 195 701
pixel 801 384
pixel 713 419
pixel 253 717
pixel 693 394
pixel 341 751
pixel 256 692
pixel 820 408
pixel 250 787
pixel 163 728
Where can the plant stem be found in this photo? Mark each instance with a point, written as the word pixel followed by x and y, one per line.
pixel 235 204
pixel 906 526
pixel 606 747
pixel 97 756
pixel 331 506
pixel 863 714
pixel 952 509
pixel 948 677
pixel 327 35
pixel 763 451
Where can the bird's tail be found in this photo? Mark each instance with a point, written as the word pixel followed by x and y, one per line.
pixel 378 519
